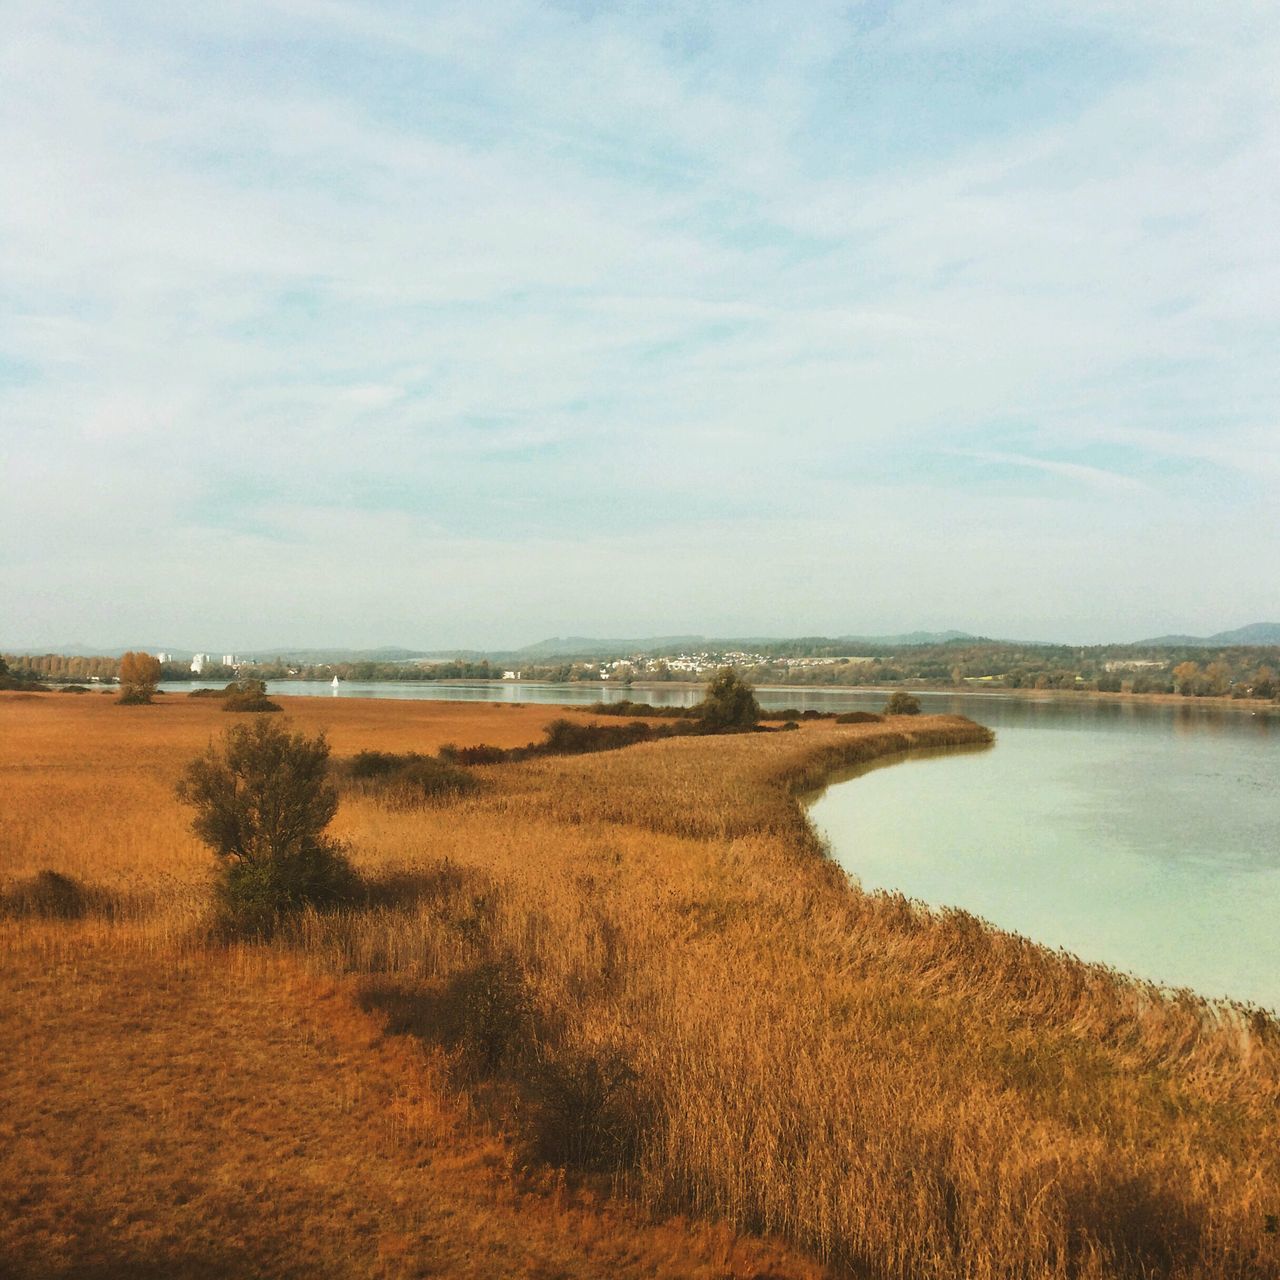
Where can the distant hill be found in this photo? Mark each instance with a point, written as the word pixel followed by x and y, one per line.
pixel 585 646
pixel 910 638
pixel 1256 633
pixel 387 653
pixel 567 647
pixel 571 647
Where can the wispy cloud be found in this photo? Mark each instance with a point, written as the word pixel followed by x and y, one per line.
pixel 560 286
pixel 1076 472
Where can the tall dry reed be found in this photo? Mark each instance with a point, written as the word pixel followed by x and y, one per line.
pixel 642 964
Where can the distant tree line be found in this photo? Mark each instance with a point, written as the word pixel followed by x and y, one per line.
pixel 1237 672
pixel 1241 672
pixel 58 668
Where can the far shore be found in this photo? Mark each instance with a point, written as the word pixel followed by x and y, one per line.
pixel 1254 706
pixel 985 691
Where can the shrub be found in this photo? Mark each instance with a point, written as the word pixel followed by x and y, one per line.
pixel 489 1014
pixel 902 703
pixel 860 717
pixel 585 1109
pixel 729 703
pixel 377 764
pixel 641 710
pixel 262 802
pixel 564 738
pixel 248 695
pixel 47 895
pixel 483 753
pixel 406 780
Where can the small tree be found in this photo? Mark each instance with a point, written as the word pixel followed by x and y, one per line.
pixel 247 694
pixel 902 703
pixel 263 800
pixel 139 675
pixel 729 703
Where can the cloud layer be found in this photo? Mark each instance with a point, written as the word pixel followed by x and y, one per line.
pixel 457 324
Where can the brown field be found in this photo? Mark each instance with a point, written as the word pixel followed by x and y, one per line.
pixel 614 1015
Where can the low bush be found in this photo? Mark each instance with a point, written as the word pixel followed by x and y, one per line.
pixel 584 1109
pixel 792 713
pixel 639 710
pixel 52 895
pixel 859 717
pixel 489 1015
pixel 902 703
pixel 565 738
pixel 48 895
pixel 248 695
pixel 441 885
pixel 405 780
pixel 482 753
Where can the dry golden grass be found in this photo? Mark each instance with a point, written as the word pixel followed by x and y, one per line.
pixel 225 1116
pixel 899 1093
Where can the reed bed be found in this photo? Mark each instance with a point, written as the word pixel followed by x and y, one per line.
pixel 640 966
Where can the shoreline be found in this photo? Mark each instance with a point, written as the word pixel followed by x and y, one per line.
pixel 951 691
pixel 1254 706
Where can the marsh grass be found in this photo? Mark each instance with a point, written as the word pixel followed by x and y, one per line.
pixel 639 966
pixel 406 780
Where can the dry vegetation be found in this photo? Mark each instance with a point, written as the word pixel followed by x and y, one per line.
pixel 633 966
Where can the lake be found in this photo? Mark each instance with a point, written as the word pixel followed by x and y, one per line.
pixel 1144 836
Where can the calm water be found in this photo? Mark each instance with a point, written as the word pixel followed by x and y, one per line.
pixel 1147 837
pixel 1144 837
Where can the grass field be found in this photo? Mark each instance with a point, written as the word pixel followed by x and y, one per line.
pixel 611 1015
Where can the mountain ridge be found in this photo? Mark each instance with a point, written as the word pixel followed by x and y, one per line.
pixel 1254 633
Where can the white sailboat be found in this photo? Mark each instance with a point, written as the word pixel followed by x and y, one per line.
pixel 334 686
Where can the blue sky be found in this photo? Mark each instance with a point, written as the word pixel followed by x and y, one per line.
pixel 358 323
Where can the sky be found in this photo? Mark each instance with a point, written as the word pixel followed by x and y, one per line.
pixel 328 322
